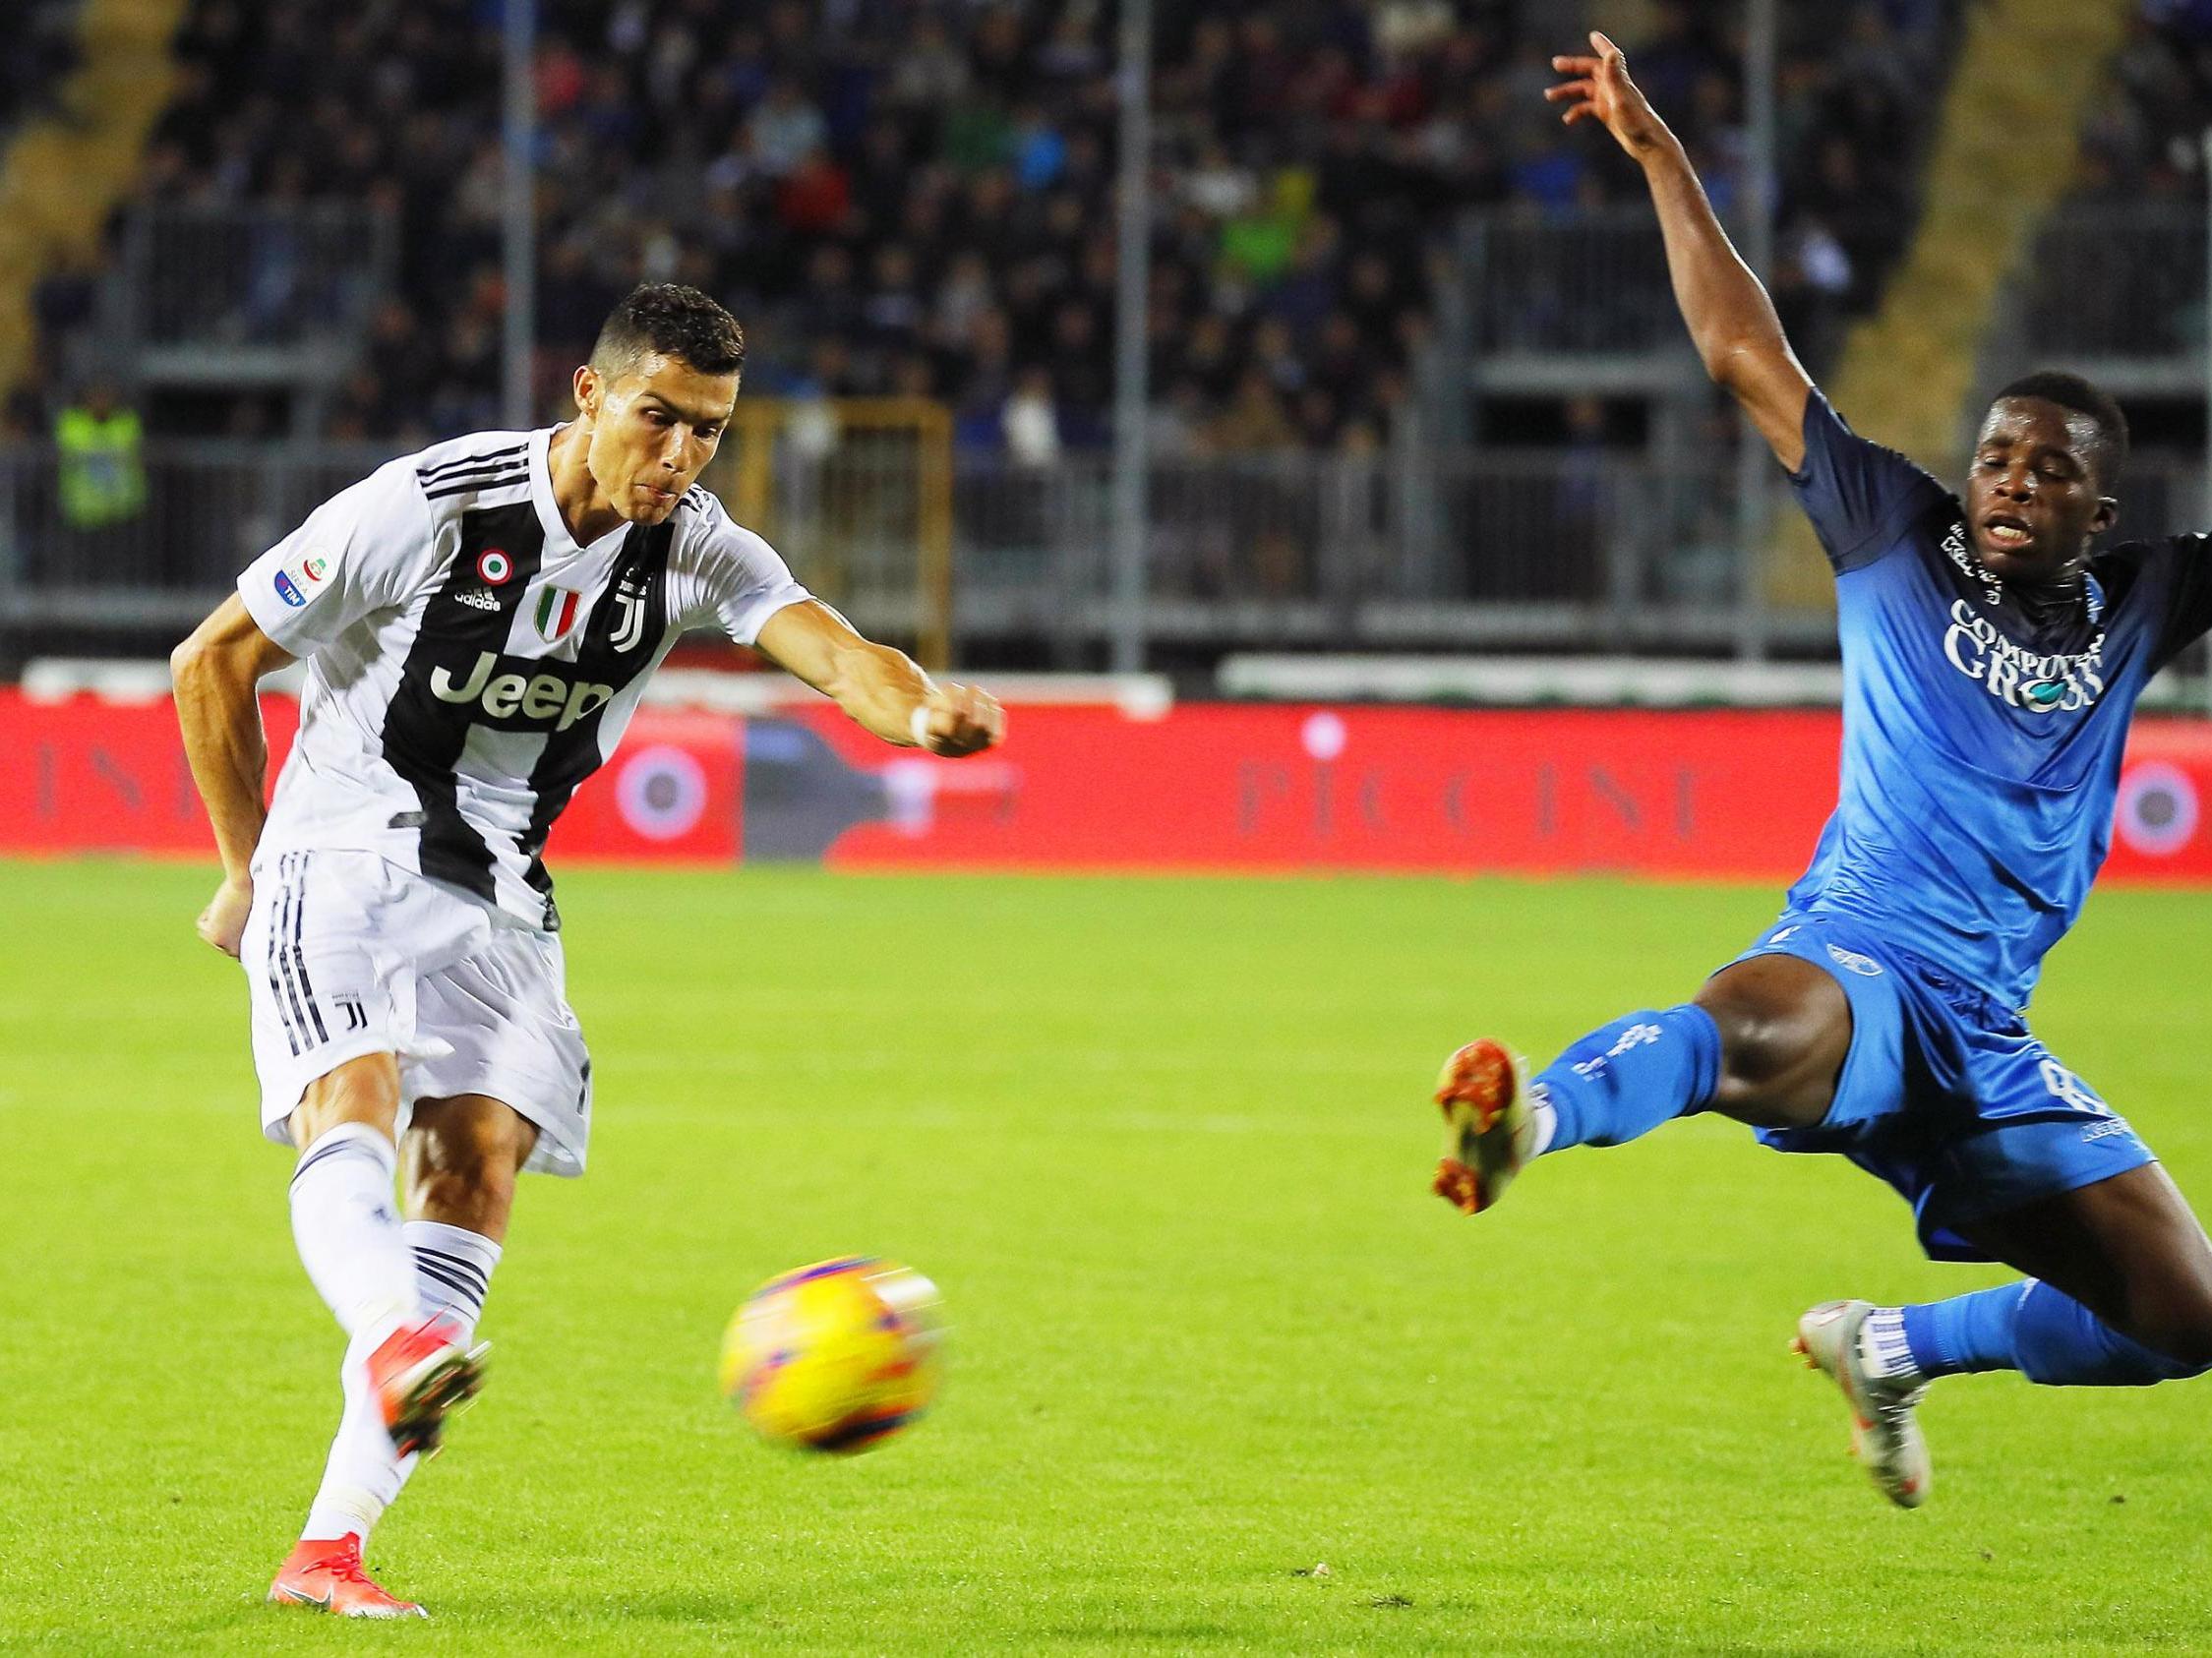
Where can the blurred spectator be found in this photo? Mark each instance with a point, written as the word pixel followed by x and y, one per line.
pixel 1031 422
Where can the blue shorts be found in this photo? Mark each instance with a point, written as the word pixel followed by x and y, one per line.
pixel 1944 1094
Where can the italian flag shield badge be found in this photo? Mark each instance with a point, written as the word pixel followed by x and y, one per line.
pixel 556 613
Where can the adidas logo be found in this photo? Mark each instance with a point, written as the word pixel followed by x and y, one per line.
pixel 480 597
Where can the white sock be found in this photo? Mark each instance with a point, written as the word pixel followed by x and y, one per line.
pixel 1883 1345
pixel 347 1229
pixel 362 1477
pixel 1545 1117
pixel 453 1269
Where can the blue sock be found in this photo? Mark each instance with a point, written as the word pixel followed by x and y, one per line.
pixel 1627 1078
pixel 2031 1327
pixel 1967 1333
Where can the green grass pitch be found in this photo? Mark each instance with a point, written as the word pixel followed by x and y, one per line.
pixel 1165 1144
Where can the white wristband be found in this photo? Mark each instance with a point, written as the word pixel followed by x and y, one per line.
pixel 918 724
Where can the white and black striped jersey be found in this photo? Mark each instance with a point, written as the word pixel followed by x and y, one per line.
pixel 469 665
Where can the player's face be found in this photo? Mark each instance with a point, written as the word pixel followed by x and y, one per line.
pixel 2032 499
pixel 653 430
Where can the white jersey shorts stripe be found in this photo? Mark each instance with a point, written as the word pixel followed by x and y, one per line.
pixel 348 954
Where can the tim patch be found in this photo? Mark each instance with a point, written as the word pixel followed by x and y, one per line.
pixel 301 581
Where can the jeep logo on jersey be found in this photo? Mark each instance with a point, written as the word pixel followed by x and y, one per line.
pixel 521 701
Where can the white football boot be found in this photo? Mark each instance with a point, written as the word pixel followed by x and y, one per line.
pixel 1885 1436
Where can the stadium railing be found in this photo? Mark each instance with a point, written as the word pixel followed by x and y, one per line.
pixel 1419 549
pixel 1568 303
pixel 231 295
pixel 2117 291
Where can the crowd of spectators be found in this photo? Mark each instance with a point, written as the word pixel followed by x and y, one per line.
pixel 2147 143
pixel 912 199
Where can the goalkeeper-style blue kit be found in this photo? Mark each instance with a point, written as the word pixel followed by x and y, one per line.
pixel 1983 732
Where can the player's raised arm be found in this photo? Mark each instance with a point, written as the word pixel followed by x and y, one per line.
pixel 1730 318
pixel 215 671
pixel 881 688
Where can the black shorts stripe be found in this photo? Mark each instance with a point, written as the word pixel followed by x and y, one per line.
pixel 490 481
pixel 281 928
pixel 472 464
pixel 299 955
pixel 427 1256
pixel 277 985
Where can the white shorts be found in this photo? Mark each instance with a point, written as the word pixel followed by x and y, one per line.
pixel 347 954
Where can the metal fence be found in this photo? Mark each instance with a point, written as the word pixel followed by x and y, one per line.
pixel 1552 284
pixel 1546 548
pixel 1420 546
pixel 1575 301
pixel 2118 288
pixel 232 294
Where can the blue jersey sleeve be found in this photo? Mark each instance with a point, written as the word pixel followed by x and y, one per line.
pixel 1858 494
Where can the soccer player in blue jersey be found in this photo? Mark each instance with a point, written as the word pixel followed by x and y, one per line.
pixel 1991 661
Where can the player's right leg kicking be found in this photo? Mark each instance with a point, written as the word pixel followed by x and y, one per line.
pixel 459 1158
pixel 406 1363
pixel 1621 1080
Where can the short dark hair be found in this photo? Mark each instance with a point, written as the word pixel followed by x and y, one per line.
pixel 675 321
pixel 2109 448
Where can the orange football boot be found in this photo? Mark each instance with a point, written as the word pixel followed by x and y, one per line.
pixel 326 1575
pixel 1490 1130
pixel 419 1373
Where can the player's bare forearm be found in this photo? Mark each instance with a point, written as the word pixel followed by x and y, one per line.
pixel 881 688
pixel 215 671
pixel 1731 320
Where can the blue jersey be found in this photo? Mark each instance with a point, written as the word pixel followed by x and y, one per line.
pixel 1982 733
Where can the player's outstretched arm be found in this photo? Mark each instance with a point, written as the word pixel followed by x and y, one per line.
pixel 217 671
pixel 1731 320
pixel 881 688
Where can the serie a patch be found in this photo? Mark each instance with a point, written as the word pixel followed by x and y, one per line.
pixel 301 581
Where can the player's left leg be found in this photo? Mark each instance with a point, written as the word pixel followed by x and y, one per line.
pixel 2119 1292
pixel 2021 1163
pixel 2121 1296
pixel 459 1158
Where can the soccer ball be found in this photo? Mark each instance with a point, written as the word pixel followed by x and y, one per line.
pixel 837 1356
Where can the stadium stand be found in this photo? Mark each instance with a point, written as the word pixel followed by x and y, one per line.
pixel 917 200
pixel 1416 379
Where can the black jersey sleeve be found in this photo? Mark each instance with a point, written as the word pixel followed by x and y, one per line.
pixel 2185 563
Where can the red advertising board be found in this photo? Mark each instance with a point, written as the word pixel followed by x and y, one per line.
pixel 1212 786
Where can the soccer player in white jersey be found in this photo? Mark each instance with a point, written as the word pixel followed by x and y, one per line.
pixel 478 622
